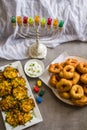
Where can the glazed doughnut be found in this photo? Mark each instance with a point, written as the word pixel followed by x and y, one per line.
pixel 64 85
pixel 80 102
pixel 53 80
pixel 76 91
pixel 65 95
pixel 82 67
pixel 54 68
pixel 83 78
pixel 67 72
pixel 75 78
pixel 72 61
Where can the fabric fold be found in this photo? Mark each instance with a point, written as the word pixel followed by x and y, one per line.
pixel 74 14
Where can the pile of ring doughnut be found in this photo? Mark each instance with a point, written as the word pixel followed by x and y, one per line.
pixel 70 79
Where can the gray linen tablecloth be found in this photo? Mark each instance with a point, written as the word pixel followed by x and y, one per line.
pixel 56 114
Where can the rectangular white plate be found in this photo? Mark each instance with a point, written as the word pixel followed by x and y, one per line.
pixel 36 113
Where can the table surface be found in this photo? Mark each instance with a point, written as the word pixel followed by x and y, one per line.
pixel 56 114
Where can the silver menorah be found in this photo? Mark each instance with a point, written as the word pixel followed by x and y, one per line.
pixel 36 31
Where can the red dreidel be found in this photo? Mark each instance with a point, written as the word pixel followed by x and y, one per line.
pixel 36 89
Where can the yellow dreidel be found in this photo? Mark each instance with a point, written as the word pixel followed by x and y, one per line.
pixel 39 83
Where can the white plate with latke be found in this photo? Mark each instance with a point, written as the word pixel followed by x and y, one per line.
pixel 34 68
pixel 35 112
pixel 46 75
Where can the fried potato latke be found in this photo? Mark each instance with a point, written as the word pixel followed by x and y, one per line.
pixel 10 72
pixel 18 81
pixel 15 101
pixel 16 117
pixel 20 93
pixel 8 103
pixel 27 104
pixel 5 88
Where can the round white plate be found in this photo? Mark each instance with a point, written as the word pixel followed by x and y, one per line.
pixel 34 68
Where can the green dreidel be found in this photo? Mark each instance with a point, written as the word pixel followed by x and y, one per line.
pixel 41 93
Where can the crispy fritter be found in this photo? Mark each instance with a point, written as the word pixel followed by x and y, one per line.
pixel 8 102
pixel 16 117
pixel 1 76
pixel 5 88
pixel 20 93
pixel 12 118
pixel 26 117
pixel 27 104
pixel 18 81
pixel 14 97
pixel 10 72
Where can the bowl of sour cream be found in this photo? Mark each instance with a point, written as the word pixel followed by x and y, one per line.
pixel 34 68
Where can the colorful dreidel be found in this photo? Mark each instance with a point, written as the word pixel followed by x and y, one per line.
pixel 43 22
pixel 37 20
pixel 13 21
pixel 19 20
pixel 31 21
pixel 25 21
pixel 55 23
pixel 39 83
pixel 36 89
pixel 39 99
pixel 49 22
pixel 41 93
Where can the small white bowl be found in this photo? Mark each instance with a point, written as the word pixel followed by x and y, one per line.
pixel 34 68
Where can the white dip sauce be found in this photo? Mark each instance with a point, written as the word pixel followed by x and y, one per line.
pixel 34 69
